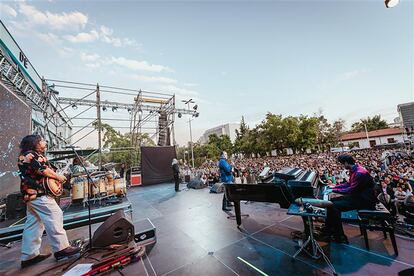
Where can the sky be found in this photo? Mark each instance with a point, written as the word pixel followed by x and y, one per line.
pixel 348 59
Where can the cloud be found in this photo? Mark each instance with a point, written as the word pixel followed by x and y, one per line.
pixel 189 84
pixel 89 57
pixel 7 10
pixel 138 65
pixel 161 80
pixel 350 74
pixel 48 38
pixel 179 91
pixel 93 65
pixel 103 34
pixel 83 37
pixel 56 21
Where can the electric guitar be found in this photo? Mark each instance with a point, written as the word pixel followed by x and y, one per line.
pixel 53 186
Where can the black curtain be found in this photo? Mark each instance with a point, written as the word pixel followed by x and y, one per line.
pixel 156 164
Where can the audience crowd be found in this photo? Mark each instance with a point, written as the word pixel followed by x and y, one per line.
pixel 392 170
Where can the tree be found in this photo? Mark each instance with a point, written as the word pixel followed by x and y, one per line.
pixel 371 124
pixel 116 140
pixel 308 127
pixel 241 136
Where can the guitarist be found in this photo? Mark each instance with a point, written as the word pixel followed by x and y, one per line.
pixel 43 213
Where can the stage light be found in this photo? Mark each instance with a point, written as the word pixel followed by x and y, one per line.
pixel 74 106
pixel 104 108
pixel 196 115
pixel 195 107
pixel 391 3
pixel 180 115
pixel 114 108
pixel 129 110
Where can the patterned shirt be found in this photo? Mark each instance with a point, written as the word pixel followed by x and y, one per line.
pixel 31 166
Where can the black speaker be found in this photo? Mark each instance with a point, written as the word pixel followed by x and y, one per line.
pixel 15 206
pixel 117 229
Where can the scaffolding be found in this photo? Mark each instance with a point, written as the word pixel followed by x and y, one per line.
pixel 47 117
pixel 141 113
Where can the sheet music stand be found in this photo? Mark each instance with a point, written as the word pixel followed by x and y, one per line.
pixel 317 251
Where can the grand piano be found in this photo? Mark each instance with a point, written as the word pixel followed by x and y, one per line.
pixel 283 187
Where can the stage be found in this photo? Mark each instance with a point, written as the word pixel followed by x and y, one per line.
pixel 194 237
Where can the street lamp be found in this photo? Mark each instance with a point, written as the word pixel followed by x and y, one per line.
pixel 188 102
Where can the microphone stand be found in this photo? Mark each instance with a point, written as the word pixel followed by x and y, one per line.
pixel 90 182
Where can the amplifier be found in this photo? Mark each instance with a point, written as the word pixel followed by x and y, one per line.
pixel 145 233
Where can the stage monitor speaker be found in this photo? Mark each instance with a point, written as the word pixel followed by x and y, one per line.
pixel 217 188
pixel 117 229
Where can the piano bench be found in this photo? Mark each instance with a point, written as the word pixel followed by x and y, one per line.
pixel 379 219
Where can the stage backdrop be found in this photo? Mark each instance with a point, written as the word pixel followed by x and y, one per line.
pixel 15 123
pixel 156 164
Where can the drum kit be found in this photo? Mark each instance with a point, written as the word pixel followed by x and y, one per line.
pixel 104 185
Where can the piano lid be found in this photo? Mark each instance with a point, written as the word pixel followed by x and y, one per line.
pixel 288 173
pixel 306 178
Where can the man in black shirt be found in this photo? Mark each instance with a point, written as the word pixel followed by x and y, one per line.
pixel 176 172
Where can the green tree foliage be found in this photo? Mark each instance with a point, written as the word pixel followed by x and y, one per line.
pixel 373 123
pixel 120 145
pixel 276 132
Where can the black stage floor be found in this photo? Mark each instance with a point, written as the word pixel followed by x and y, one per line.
pixel 194 237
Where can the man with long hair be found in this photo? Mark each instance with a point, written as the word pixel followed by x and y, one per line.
pixel 43 213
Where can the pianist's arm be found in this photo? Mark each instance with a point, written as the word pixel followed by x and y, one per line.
pixel 355 184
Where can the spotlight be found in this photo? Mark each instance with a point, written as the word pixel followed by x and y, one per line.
pixel 104 108
pixel 196 115
pixel 74 106
pixel 391 3
pixel 180 115
pixel 129 110
pixel 195 107
pixel 114 108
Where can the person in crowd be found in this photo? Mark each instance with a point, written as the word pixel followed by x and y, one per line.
pixel 176 174
pixel 358 194
pixel 42 213
pixel 122 171
pixel 226 176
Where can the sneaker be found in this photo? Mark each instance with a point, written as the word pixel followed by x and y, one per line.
pixel 68 252
pixel 34 260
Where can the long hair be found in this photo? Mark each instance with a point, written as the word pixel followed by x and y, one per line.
pixel 30 142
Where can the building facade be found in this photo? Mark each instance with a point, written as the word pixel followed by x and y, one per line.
pixel 381 137
pixel 226 129
pixel 406 112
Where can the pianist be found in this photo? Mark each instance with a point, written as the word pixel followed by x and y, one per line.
pixel 358 193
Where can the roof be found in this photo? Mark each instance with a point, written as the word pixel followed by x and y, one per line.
pixel 372 134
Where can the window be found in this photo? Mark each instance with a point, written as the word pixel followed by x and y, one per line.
pixel 390 140
pixel 372 143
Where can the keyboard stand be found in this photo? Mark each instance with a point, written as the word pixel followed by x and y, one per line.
pixel 316 249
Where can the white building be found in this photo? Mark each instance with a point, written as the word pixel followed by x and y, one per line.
pixel 375 138
pixel 406 112
pixel 226 129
